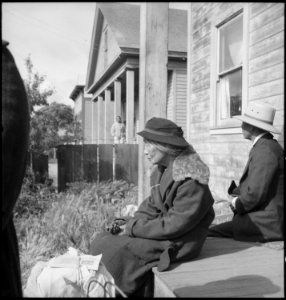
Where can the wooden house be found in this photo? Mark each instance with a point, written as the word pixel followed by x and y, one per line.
pixel 82 112
pixel 235 56
pixel 113 69
pixel 221 56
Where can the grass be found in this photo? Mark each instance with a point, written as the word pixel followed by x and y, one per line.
pixel 73 218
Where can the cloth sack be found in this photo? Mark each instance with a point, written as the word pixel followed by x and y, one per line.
pixel 70 275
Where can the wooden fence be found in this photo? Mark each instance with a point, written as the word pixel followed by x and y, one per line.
pixel 94 163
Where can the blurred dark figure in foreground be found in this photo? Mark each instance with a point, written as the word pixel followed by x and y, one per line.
pixel 15 137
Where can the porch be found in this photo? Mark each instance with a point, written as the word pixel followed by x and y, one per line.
pixel 226 268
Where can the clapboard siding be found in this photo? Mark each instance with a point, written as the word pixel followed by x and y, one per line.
pixel 265 46
pixel 270 88
pixel 269 59
pixel 266 60
pixel 266 31
pixel 263 18
pixel 170 96
pixel 258 8
pixel 177 97
pixel 268 74
pixel 277 101
pixel 112 53
pixel 226 154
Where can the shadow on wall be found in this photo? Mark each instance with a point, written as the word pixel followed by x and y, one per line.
pixel 238 286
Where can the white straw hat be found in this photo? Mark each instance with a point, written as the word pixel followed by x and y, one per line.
pixel 259 115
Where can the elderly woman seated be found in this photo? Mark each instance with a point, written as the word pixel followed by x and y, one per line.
pixel 171 224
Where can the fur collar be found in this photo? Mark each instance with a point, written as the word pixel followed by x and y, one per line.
pixel 189 164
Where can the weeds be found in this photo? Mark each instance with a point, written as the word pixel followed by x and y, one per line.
pixel 54 222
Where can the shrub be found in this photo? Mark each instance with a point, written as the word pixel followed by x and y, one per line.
pixel 34 199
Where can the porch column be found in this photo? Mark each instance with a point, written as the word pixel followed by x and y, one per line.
pixel 117 98
pixel 108 118
pixel 92 121
pixel 130 106
pixel 152 77
pixel 100 120
pixel 95 122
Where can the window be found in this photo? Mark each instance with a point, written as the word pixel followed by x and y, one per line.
pixel 228 71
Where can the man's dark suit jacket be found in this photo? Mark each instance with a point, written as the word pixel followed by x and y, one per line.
pixel 259 207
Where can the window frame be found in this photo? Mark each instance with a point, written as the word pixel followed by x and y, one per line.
pixel 230 125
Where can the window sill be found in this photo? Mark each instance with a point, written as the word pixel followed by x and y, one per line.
pixel 232 130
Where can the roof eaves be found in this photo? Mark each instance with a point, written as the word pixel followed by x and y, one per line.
pixel 103 77
pixel 75 92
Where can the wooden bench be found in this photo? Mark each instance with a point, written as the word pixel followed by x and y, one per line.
pixel 226 268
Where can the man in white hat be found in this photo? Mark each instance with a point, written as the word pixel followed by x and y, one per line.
pixel 257 202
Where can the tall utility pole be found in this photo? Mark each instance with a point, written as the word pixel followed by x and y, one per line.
pixel 152 77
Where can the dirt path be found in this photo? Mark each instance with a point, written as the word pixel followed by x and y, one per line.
pixel 53 173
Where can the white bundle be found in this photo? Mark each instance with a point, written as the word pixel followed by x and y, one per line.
pixel 70 275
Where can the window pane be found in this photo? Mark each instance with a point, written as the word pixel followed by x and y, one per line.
pixel 230 52
pixel 230 94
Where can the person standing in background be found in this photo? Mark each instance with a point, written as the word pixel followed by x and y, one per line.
pixel 123 133
pixel 118 131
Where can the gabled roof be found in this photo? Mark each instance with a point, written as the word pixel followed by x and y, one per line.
pixel 124 21
pixel 76 91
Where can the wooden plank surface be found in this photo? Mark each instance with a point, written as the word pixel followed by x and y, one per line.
pixel 226 268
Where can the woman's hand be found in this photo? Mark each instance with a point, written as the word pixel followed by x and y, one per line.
pixel 117 226
pixel 122 227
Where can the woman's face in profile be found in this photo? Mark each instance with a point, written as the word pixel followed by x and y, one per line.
pixel 154 155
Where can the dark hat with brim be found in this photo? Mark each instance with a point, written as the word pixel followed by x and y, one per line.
pixel 164 131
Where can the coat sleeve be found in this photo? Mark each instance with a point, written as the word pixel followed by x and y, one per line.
pixel 147 209
pixel 189 207
pixel 254 189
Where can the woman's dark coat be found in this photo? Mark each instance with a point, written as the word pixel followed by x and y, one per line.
pixel 260 205
pixel 170 225
pixel 15 137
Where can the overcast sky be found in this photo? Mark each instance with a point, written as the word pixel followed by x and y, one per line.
pixel 57 35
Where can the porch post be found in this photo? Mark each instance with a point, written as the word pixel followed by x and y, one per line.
pixel 152 77
pixel 100 120
pixel 108 119
pixel 130 106
pixel 117 98
pixel 95 122
pixel 92 121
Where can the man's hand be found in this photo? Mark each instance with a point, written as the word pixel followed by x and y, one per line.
pixel 231 200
